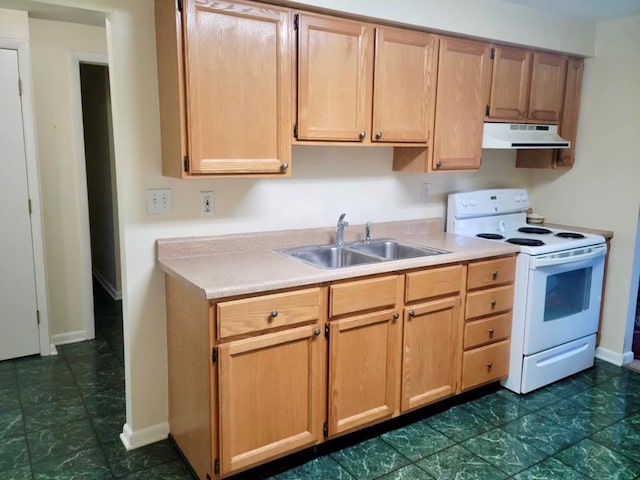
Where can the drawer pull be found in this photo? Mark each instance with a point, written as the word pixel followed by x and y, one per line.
pixel 396 315
pixel 412 314
pixel 274 313
pixel 489 365
pixel 491 332
pixel 494 274
pixel 493 303
pixel 316 332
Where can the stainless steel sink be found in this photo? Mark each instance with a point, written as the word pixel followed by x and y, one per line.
pixel 330 256
pixel 394 250
pixel 358 253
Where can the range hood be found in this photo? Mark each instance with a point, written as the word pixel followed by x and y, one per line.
pixel 522 135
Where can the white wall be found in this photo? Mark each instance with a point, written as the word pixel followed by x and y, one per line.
pixel 326 181
pixel 61 175
pixel 14 24
pixel 603 188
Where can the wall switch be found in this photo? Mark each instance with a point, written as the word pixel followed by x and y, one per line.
pixel 159 200
pixel 206 203
pixel 425 191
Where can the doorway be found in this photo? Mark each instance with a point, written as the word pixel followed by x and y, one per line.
pixel 101 228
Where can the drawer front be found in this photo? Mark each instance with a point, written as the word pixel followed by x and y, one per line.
pixel 268 311
pixel 486 302
pixel 433 283
pixel 491 272
pixel 381 292
pixel 485 364
pixel 487 330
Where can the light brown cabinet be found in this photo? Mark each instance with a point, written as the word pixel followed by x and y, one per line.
pixel 257 377
pixel 568 128
pixel 431 337
pixel 359 82
pixel 487 328
pixel 364 353
pixel 224 77
pixel 526 86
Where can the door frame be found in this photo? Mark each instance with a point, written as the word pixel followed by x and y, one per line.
pixel 33 185
pixel 83 196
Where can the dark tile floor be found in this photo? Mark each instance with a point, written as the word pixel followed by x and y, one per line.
pixel 60 418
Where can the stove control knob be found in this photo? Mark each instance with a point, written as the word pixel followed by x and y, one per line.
pixel 472 202
pixel 465 203
pixel 517 198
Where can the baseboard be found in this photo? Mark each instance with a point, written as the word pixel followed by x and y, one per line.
pixel 616 358
pixel 111 290
pixel 146 436
pixel 69 337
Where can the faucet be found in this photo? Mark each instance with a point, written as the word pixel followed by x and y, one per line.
pixel 367 232
pixel 340 230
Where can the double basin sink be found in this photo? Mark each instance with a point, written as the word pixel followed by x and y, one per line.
pixel 358 253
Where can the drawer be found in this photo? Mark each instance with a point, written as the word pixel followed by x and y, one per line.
pixel 492 300
pixel 487 330
pixel 381 292
pixel 433 283
pixel 485 364
pixel 491 272
pixel 247 315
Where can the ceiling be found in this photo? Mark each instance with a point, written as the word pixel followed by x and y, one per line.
pixel 591 10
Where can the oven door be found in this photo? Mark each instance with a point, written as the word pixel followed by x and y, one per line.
pixel 563 297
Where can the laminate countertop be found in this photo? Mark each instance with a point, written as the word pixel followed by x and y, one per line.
pixel 241 264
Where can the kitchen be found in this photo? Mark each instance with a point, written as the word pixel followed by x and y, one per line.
pixel 359 180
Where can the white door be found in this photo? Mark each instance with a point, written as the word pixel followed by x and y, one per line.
pixel 18 306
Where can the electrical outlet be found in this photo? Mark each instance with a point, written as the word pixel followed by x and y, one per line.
pixel 159 200
pixel 425 191
pixel 206 203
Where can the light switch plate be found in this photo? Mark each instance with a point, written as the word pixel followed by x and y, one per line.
pixel 425 191
pixel 206 203
pixel 158 200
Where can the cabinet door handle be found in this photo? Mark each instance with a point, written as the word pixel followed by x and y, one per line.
pixel 439 164
pixel 491 332
pixel 274 313
pixel 412 313
pixel 396 315
pixel 494 274
pixel 378 135
pixel 316 332
pixel 493 304
pixel 284 166
pixel 362 135
pixel 489 365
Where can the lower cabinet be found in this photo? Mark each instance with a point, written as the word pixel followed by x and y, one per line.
pixel 270 391
pixel 255 378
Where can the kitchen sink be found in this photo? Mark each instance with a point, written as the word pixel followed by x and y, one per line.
pixel 393 250
pixel 358 253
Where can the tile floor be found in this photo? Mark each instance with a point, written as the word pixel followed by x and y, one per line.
pixel 60 418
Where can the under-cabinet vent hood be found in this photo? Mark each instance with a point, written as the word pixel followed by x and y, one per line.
pixel 522 135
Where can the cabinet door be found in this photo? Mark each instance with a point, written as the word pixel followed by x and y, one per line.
pixel 270 396
pixel 335 68
pixel 404 85
pixel 510 84
pixel 430 368
pixel 464 74
pixel 238 83
pixel 569 124
pixel 364 368
pixel 547 87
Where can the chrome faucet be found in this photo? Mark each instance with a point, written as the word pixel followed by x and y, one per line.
pixel 367 232
pixel 340 230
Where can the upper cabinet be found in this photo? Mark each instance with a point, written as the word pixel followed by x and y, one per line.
pixel 224 74
pixel 359 82
pixel 526 86
pixel 464 73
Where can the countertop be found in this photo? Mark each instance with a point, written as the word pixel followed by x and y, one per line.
pixel 229 265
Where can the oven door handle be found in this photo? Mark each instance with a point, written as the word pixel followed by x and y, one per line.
pixel 598 251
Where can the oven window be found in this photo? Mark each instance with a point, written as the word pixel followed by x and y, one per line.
pixel 567 293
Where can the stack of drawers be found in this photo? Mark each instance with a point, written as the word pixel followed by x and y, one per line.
pixel 487 321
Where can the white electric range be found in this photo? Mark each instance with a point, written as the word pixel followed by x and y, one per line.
pixel 558 285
